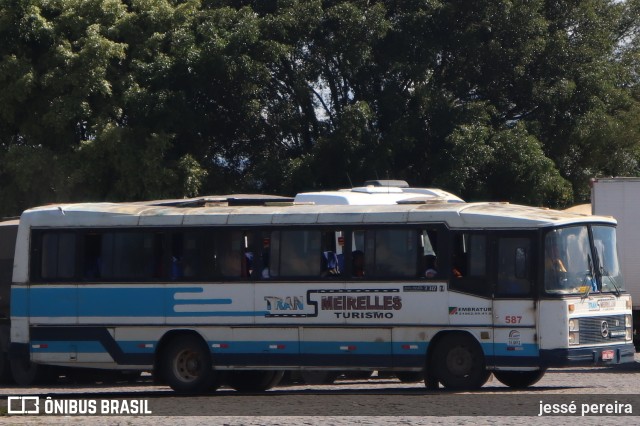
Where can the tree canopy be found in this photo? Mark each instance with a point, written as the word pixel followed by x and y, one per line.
pixel 509 100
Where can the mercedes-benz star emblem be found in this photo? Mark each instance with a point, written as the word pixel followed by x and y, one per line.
pixel 604 329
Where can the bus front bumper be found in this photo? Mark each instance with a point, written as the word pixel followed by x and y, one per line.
pixel 588 356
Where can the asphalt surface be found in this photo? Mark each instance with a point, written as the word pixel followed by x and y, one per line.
pixel 561 393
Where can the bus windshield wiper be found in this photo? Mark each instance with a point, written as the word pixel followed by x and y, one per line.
pixel 589 275
pixel 613 282
pixel 601 273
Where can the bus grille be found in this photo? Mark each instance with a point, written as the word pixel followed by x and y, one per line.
pixel 605 329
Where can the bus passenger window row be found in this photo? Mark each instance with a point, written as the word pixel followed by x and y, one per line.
pixel 235 255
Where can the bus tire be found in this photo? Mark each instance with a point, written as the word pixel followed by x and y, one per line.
pixel 319 377
pixel 253 380
pixel 26 373
pixel 187 366
pixel 5 370
pixel 460 363
pixel 431 381
pixel 519 379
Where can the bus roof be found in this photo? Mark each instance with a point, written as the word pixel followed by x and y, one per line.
pixel 456 215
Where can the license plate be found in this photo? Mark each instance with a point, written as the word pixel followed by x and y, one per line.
pixel 607 355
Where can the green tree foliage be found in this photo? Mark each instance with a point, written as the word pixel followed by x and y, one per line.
pixel 140 99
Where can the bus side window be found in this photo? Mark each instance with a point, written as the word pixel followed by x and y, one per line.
pixel 229 254
pixel 130 255
pixel 266 257
pixel 428 266
pixel 256 255
pixel 58 253
pixel 185 256
pixel 332 258
pixel 92 256
pixel 295 254
pixel 469 264
pixel 514 267
pixel 357 264
pixel 392 253
pixel 358 250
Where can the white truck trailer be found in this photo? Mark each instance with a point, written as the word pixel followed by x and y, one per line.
pixel 620 197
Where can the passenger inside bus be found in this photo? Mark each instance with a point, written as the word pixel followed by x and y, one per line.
pixel 456 270
pixel 330 266
pixel 266 243
pixel 431 265
pixel 555 270
pixel 248 264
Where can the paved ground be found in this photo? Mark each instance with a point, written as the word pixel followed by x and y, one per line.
pixel 364 402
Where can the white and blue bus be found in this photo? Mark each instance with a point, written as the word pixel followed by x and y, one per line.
pixel 201 295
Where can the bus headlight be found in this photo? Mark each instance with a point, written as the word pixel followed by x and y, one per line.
pixel 574 325
pixel 574 338
pixel 628 321
pixel 629 334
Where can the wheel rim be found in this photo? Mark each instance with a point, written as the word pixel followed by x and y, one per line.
pixel 188 365
pixel 459 361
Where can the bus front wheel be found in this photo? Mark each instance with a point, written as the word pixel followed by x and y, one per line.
pixel 459 362
pixel 518 379
pixel 186 365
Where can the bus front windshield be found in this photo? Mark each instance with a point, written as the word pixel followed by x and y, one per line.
pixel 574 266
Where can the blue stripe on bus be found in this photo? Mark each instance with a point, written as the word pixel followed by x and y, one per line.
pixel 50 346
pixel 248 347
pixel 409 348
pixel 81 346
pixel 87 301
pixel 204 302
pixel 525 349
pixel 284 347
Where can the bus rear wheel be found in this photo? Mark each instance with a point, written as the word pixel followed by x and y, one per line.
pixel 253 380
pixel 519 379
pixel 5 370
pixel 186 365
pixel 459 362
pixel 26 373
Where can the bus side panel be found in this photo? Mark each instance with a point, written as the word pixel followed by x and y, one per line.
pixel 356 347
pixel 217 303
pixel 410 344
pixel 552 324
pixel 514 336
pixel 53 304
pixel 20 314
pixel 258 346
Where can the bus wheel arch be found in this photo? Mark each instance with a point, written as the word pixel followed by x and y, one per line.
pixel 184 361
pixel 456 359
